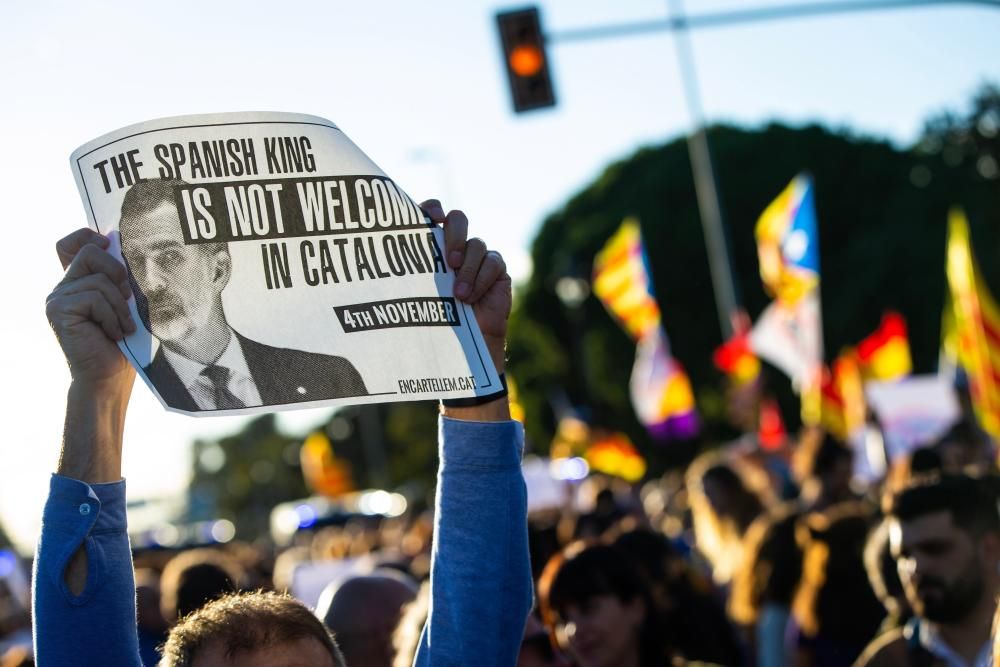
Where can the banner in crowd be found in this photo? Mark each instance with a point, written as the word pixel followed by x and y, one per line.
pixel 274 265
pixel 660 389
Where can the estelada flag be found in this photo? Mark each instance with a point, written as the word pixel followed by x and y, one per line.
pixel 977 324
pixel 788 243
pixel 885 354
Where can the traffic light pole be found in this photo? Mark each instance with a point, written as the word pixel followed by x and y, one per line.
pixel 706 191
pixel 709 204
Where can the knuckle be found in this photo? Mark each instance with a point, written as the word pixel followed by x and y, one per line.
pixel 476 244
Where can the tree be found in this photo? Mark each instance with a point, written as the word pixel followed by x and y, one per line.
pixel 882 214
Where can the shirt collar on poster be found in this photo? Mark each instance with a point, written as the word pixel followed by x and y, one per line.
pixel 240 381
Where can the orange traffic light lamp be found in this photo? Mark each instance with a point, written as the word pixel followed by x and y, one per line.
pixel 525 61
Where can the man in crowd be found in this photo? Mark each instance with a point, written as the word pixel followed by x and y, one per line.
pixel 84 592
pixel 945 536
pixel 202 363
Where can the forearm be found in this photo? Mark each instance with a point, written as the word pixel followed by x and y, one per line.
pixel 92 434
pixel 480 575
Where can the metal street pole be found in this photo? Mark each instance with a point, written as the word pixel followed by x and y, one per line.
pixel 709 206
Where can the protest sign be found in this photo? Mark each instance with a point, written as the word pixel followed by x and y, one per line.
pixel 913 411
pixel 274 265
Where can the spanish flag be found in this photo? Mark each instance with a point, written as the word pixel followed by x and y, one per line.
pixel 842 396
pixel 885 354
pixel 976 320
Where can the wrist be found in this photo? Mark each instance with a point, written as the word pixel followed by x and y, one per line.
pixel 494 411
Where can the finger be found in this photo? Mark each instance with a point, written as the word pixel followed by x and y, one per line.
pixel 434 210
pixel 69 245
pixel 112 293
pixel 492 268
pixel 475 252
pixel 456 230
pixel 91 306
pixel 91 259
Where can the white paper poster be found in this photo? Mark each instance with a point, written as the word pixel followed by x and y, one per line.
pixel 275 266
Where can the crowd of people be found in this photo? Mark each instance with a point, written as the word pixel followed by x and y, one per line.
pixel 748 557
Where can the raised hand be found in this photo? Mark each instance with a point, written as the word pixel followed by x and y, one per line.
pixel 481 279
pixel 88 312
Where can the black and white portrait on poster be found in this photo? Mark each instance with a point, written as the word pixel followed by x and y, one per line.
pixel 274 265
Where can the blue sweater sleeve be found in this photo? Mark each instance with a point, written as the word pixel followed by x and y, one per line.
pixel 481 588
pixel 98 626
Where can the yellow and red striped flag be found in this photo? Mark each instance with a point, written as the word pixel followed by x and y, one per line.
pixel 885 354
pixel 977 324
pixel 621 281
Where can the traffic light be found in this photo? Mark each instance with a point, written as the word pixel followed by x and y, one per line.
pixel 524 59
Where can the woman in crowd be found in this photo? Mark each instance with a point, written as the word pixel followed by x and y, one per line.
pixel 599 610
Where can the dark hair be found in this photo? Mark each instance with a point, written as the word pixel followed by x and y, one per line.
pixel 827 455
pixel 192 578
pixel 771 567
pixel 964 432
pixel 971 501
pixel 580 573
pixel 245 622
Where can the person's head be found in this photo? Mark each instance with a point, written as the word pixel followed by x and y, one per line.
pixel 725 497
pixel 259 629
pixel 834 601
pixel 963 445
pixel 825 465
pixel 177 286
pixel 192 578
pixel 945 535
pixel 771 567
pixel 598 607
pixel 363 612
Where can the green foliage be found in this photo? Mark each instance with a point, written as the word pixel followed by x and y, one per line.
pixel 882 214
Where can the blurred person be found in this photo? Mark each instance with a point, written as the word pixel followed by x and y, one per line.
pixel 150 624
pixel 884 578
pixel 599 609
pixel 202 363
pixel 606 513
pixel 84 591
pixel 824 466
pixel 194 577
pixel 406 636
pixel 835 612
pixel 362 611
pixel 536 647
pixel 18 656
pixel 764 585
pixel 693 621
pixel 965 445
pixel 724 502
pixel 944 532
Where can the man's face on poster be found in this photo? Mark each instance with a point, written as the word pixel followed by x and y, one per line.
pixel 180 283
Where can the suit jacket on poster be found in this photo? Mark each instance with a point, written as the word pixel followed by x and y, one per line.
pixel 281 375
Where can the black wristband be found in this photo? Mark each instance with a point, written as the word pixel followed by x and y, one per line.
pixel 473 401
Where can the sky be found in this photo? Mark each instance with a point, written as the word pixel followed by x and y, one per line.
pixel 420 88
